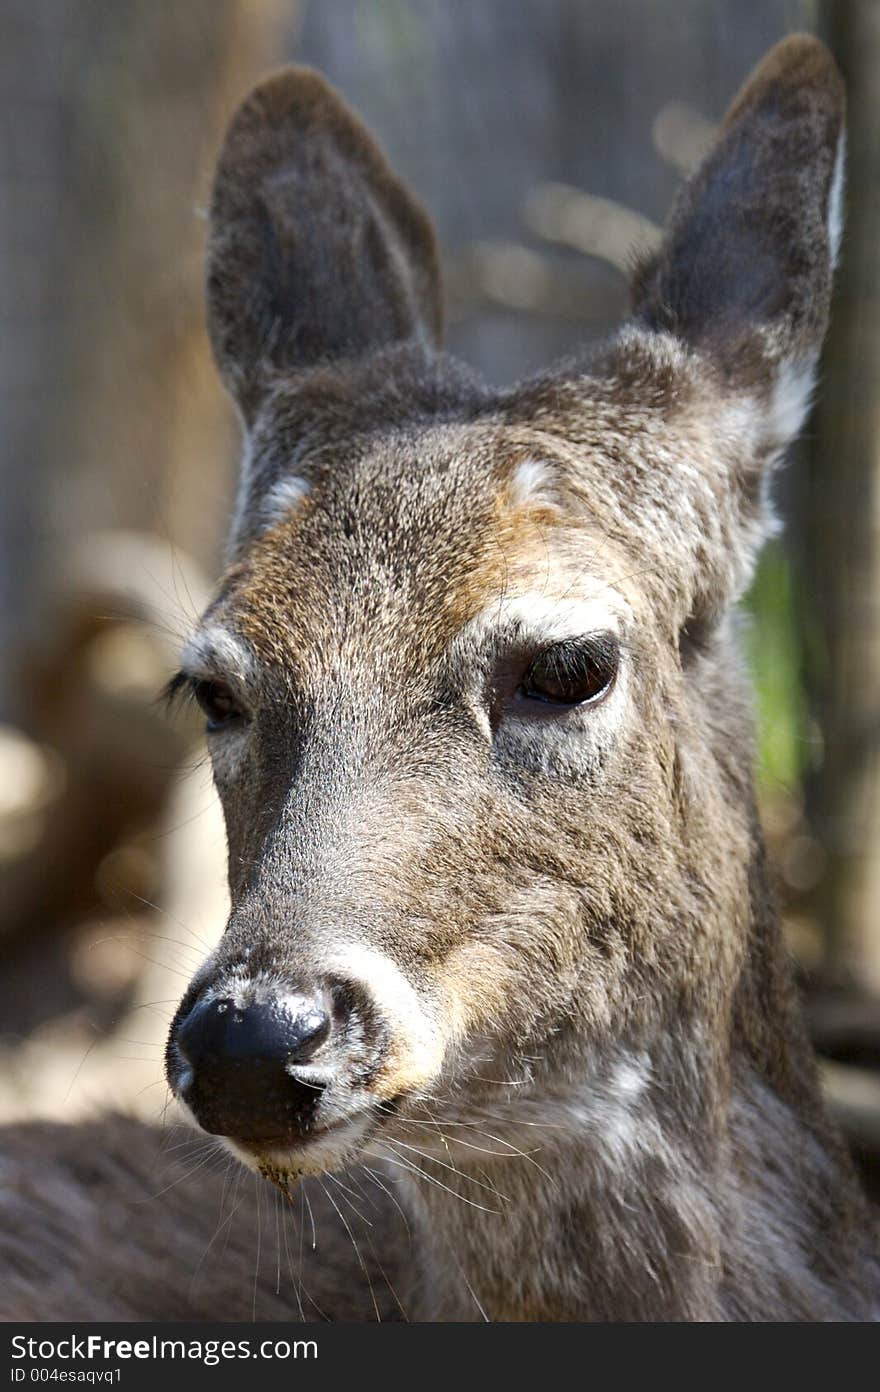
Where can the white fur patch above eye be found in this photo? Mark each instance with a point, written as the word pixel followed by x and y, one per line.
pixel 544 736
pixel 546 619
pixel 213 649
pixel 283 497
pixel 531 484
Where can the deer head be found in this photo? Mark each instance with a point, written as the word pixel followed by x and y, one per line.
pixel 474 706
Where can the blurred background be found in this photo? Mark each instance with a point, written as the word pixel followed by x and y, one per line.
pixel 547 138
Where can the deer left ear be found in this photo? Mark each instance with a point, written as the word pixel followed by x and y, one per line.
pixel 316 252
pixel 744 275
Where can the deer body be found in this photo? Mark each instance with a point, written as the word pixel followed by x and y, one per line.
pixel 500 913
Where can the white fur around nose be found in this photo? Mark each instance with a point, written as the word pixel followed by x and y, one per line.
pixel 416 1032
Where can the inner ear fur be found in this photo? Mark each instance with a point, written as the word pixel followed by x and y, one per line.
pixel 744 273
pixel 316 251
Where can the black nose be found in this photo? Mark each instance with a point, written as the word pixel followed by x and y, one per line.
pixel 242 1062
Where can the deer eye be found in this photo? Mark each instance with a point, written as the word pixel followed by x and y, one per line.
pixel 573 673
pixel 218 703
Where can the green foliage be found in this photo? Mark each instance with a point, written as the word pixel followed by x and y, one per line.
pixel 773 647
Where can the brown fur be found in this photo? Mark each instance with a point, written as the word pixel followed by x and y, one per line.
pixel 588 1074
pixel 116 1220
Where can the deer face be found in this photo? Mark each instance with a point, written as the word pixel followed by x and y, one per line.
pixel 473 710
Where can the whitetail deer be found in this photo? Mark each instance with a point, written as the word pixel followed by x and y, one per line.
pixel 478 720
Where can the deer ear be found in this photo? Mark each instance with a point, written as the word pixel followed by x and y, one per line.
pixel 744 274
pixel 316 251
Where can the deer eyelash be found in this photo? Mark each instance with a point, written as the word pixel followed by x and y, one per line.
pixel 178 691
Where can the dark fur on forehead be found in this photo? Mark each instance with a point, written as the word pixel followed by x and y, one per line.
pixel 355 548
pixel 333 411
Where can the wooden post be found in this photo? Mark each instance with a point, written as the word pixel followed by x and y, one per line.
pixel 841 557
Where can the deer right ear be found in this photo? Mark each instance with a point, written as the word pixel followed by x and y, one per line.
pixel 744 274
pixel 316 251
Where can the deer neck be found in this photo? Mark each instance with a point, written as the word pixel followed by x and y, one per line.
pixel 589 1201
pixel 642 1191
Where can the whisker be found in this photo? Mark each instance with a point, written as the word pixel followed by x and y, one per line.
pixel 454 1168
pixel 81 1064
pixel 362 1193
pixel 311 1217
pixel 240 1173
pixel 259 1192
pixel 420 1174
pixel 471 1292
pixel 217 1231
pixel 352 1206
pixel 179 1180
pixel 385 1190
pixel 356 1248
pixel 277 1245
pixel 296 1284
pixel 304 1199
pixel 385 1278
